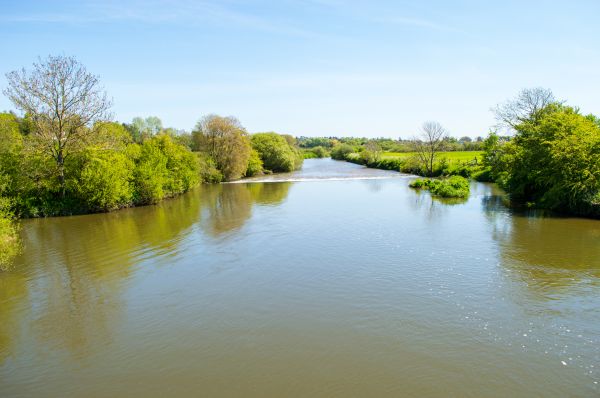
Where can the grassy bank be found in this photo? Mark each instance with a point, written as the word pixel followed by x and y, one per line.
pixel 466 164
pixel 452 157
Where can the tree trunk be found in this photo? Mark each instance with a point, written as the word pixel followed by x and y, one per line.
pixel 60 162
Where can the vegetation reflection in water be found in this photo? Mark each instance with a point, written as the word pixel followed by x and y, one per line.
pixel 322 288
pixel 80 294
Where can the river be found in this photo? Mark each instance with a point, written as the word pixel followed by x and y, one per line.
pixel 333 281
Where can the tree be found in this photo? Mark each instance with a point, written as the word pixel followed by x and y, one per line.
pixel 63 101
pixel 255 164
pixel 141 128
pixel 276 152
pixel 371 152
pixel 554 161
pixel 525 107
pixel 225 140
pixel 429 143
pixel 341 151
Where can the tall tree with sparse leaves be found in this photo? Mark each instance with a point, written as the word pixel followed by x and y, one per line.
pixel 63 101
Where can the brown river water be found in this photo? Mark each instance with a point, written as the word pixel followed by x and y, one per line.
pixel 333 281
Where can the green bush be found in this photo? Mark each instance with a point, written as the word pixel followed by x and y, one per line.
pixel 483 174
pixel 182 166
pixel 341 151
pixel 150 172
pixel 255 164
pixel 553 161
pixel 106 181
pixel 276 152
pixel 208 169
pixel 452 187
pixel 308 154
pixel 320 152
pixel 162 169
pixel 9 238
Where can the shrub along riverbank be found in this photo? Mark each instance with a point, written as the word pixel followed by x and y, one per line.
pixel 116 167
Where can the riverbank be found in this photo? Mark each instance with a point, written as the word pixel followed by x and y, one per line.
pixel 466 164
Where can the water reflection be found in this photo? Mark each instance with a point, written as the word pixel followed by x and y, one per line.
pixel 13 294
pixel 433 207
pixel 229 206
pixel 550 255
pixel 76 269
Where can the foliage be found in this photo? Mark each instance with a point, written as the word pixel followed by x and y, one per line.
pixel 11 147
pixel 255 164
pixel 553 162
pixel 143 128
pixel 452 187
pixel 208 169
pixel 163 169
pixel 312 142
pixel 276 153
pixel 226 142
pixel 9 239
pixel 371 153
pixel 341 151
pixel 63 100
pixel 105 180
pixel 320 152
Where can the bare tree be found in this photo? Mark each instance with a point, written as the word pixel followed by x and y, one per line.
pixel 429 143
pixel 526 106
pixel 64 101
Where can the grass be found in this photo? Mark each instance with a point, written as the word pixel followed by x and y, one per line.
pixel 468 164
pixel 453 157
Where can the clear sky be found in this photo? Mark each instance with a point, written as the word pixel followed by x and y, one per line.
pixel 316 67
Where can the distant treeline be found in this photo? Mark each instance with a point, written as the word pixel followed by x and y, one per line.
pixel 322 146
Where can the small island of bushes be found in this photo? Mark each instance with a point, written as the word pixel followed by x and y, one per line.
pixel 451 187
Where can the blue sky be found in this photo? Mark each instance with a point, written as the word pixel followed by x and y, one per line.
pixel 317 67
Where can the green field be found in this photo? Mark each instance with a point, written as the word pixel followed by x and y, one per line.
pixel 453 157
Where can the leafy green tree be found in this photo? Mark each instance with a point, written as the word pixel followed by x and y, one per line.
pixel 276 152
pixel 371 153
pixel 63 101
pixel 341 151
pixel 163 168
pixel 105 180
pixel 144 128
pixel 320 152
pixel 255 164
pixel 556 161
pixel 11 150
pixel 225 140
